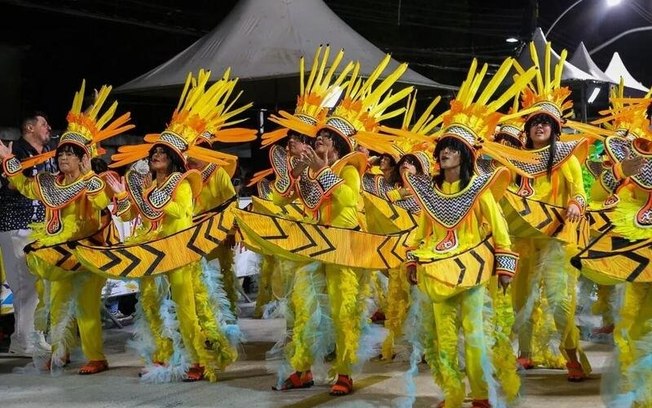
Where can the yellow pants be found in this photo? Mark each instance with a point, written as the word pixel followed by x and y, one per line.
pixel 398 303
pixel 264 285
pixel 225 256
pixel 346 308
pixel 181 289
pixel 465 310
pixel 557 280
pixel 633 338
pixel 602 306
pixel 87 313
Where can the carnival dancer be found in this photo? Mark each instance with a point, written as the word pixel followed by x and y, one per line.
pixel 276 274
pixel 164 197
pixel 620 251
pixel 554 185
pixel 74 199
pixel 217 189
pixel 461 242
pixel 330 285
pixel 390 187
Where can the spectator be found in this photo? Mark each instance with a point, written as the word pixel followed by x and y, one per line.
pixel 17 213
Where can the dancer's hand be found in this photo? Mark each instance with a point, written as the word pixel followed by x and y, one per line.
pixel 412 274
pixel 404 192
pixel 85 165
pixel 504 282
pixel 115 184
pixel 147 180
pixel 5 151
pixel 300 164
pixel 573 213
pixel 632 165
pixel 315 161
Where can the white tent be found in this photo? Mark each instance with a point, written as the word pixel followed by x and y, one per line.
pixel 262 40
pixel 570 72
pixel 616 70
pixel 582 60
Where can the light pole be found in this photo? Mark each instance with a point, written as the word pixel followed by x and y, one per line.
pixel 619 36
pixel 610 3
pixel 562 15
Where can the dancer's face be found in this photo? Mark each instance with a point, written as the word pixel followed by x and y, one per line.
pixel 449 158
pixel 295 146
pixel 409 165
pixel 324 142
pixel 540 131
pixel 159 160
pixel 385 163
pixel 68 162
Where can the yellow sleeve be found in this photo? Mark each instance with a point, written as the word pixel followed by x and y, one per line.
pixel 491 212
pixel 347 194
pixel 25 185
pixel 394 195
pixel 279 199
pixel 96 192
pixel 415 238
pixel 124 209
pixel 607 182
pixel 572 171
pixel 221 186
pixel 181 204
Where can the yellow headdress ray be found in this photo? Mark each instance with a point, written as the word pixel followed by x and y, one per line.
pixel 626 117
pixel 201 112
pixel 473 115
pixel 310 112
pixel 413 136
pixel 356 118
pixel 87 128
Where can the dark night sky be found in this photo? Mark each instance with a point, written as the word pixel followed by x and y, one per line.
pixel 57 43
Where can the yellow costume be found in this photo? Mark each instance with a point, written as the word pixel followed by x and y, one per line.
pixel 168 209
pixel 397 301
pixel 619 252
pixel 330 196
pixel 552 184
pixel 73 212
pixel 217 189
pixel 462 241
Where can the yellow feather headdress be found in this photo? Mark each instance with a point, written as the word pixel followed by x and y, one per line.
pixel 546 93
pixel 356 118
pixel 311 109
pixel 412 138
pixel 626 117
pixel 511 131
pixel 546 96
pixel 200 113
pixel 473 115
pixel 88 128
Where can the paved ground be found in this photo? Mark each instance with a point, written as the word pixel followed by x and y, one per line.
pixel 247 383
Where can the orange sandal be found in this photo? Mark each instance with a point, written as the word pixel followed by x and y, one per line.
pixel 343 386
pixel 525 363
pixel 296 380
pixel 94 367
pixel 195 373
pixel 575 371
